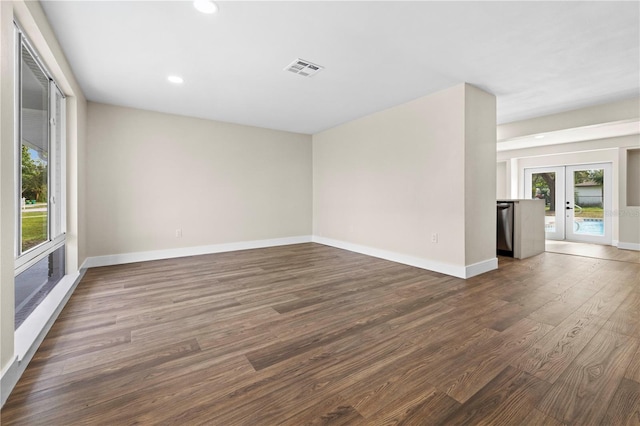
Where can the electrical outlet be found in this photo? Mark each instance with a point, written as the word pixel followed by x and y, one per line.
pixel 178 233
pixel 434 237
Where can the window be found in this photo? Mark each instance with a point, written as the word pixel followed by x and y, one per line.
pixel 40 200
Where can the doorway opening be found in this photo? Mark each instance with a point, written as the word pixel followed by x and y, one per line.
pixel 577 199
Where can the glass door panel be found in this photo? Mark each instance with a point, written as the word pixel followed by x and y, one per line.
pixel 588 198
pixel 548 184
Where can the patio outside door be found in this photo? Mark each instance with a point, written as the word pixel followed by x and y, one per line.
pixel 576 201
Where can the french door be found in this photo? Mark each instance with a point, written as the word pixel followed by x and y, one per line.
pixel 576 201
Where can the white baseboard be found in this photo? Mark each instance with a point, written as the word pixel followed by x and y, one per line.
pixel 32 331
pixel 118 259
pixel 629 246
pixel 10 376
pixel 615 243
pixel 444 268
pixel 481 267
pixel 448 269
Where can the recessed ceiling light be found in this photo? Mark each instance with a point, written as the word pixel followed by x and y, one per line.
pixel 175 79
pixel 205 6
pixel 539 136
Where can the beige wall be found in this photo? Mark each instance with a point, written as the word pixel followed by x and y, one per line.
pixel 480 175
pixel 501 180
pixel 33 21
pixel 76 180
pixel 620 111
pixel 629 216
pixel 150 174
pixel 631 160
pixel 392 179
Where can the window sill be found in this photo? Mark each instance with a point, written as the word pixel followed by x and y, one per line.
pixel 32 331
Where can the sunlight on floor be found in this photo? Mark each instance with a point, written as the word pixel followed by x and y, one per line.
pixel 592 250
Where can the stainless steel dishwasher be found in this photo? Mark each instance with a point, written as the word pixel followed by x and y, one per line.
pixel 505 228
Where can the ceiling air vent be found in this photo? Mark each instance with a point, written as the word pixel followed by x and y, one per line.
pixel 303 68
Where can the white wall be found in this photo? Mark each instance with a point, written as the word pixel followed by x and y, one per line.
pixel 150 174
pixel 389 180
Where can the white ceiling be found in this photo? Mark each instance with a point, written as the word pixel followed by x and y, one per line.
pixel 538 58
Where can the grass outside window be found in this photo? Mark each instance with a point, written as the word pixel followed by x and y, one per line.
pixel 588 212
pixel 34 228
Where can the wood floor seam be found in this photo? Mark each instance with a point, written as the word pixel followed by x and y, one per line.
pixel 310 334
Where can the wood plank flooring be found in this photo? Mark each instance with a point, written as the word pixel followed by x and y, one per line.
pixel 597 251
pixel 309 334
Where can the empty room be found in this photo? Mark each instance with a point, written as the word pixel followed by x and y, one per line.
pixel 320 212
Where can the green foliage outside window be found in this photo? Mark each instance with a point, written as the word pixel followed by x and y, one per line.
pixel 34 177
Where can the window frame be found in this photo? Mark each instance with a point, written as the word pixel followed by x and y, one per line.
pixel 56 166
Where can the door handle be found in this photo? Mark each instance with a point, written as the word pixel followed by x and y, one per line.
pixel 569 208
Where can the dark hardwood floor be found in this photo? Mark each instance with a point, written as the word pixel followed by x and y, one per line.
pixel 309 334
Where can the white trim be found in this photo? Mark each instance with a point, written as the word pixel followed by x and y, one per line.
pixel 33 330
pixel 560 172
pixel 118 259
pixel 55 237
pixel 10 376
pixel 629 246
pixel 481 267
pixel 615 243
pixel 444 268
pixel 570 235
pixel 32 326
pixel 47 249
